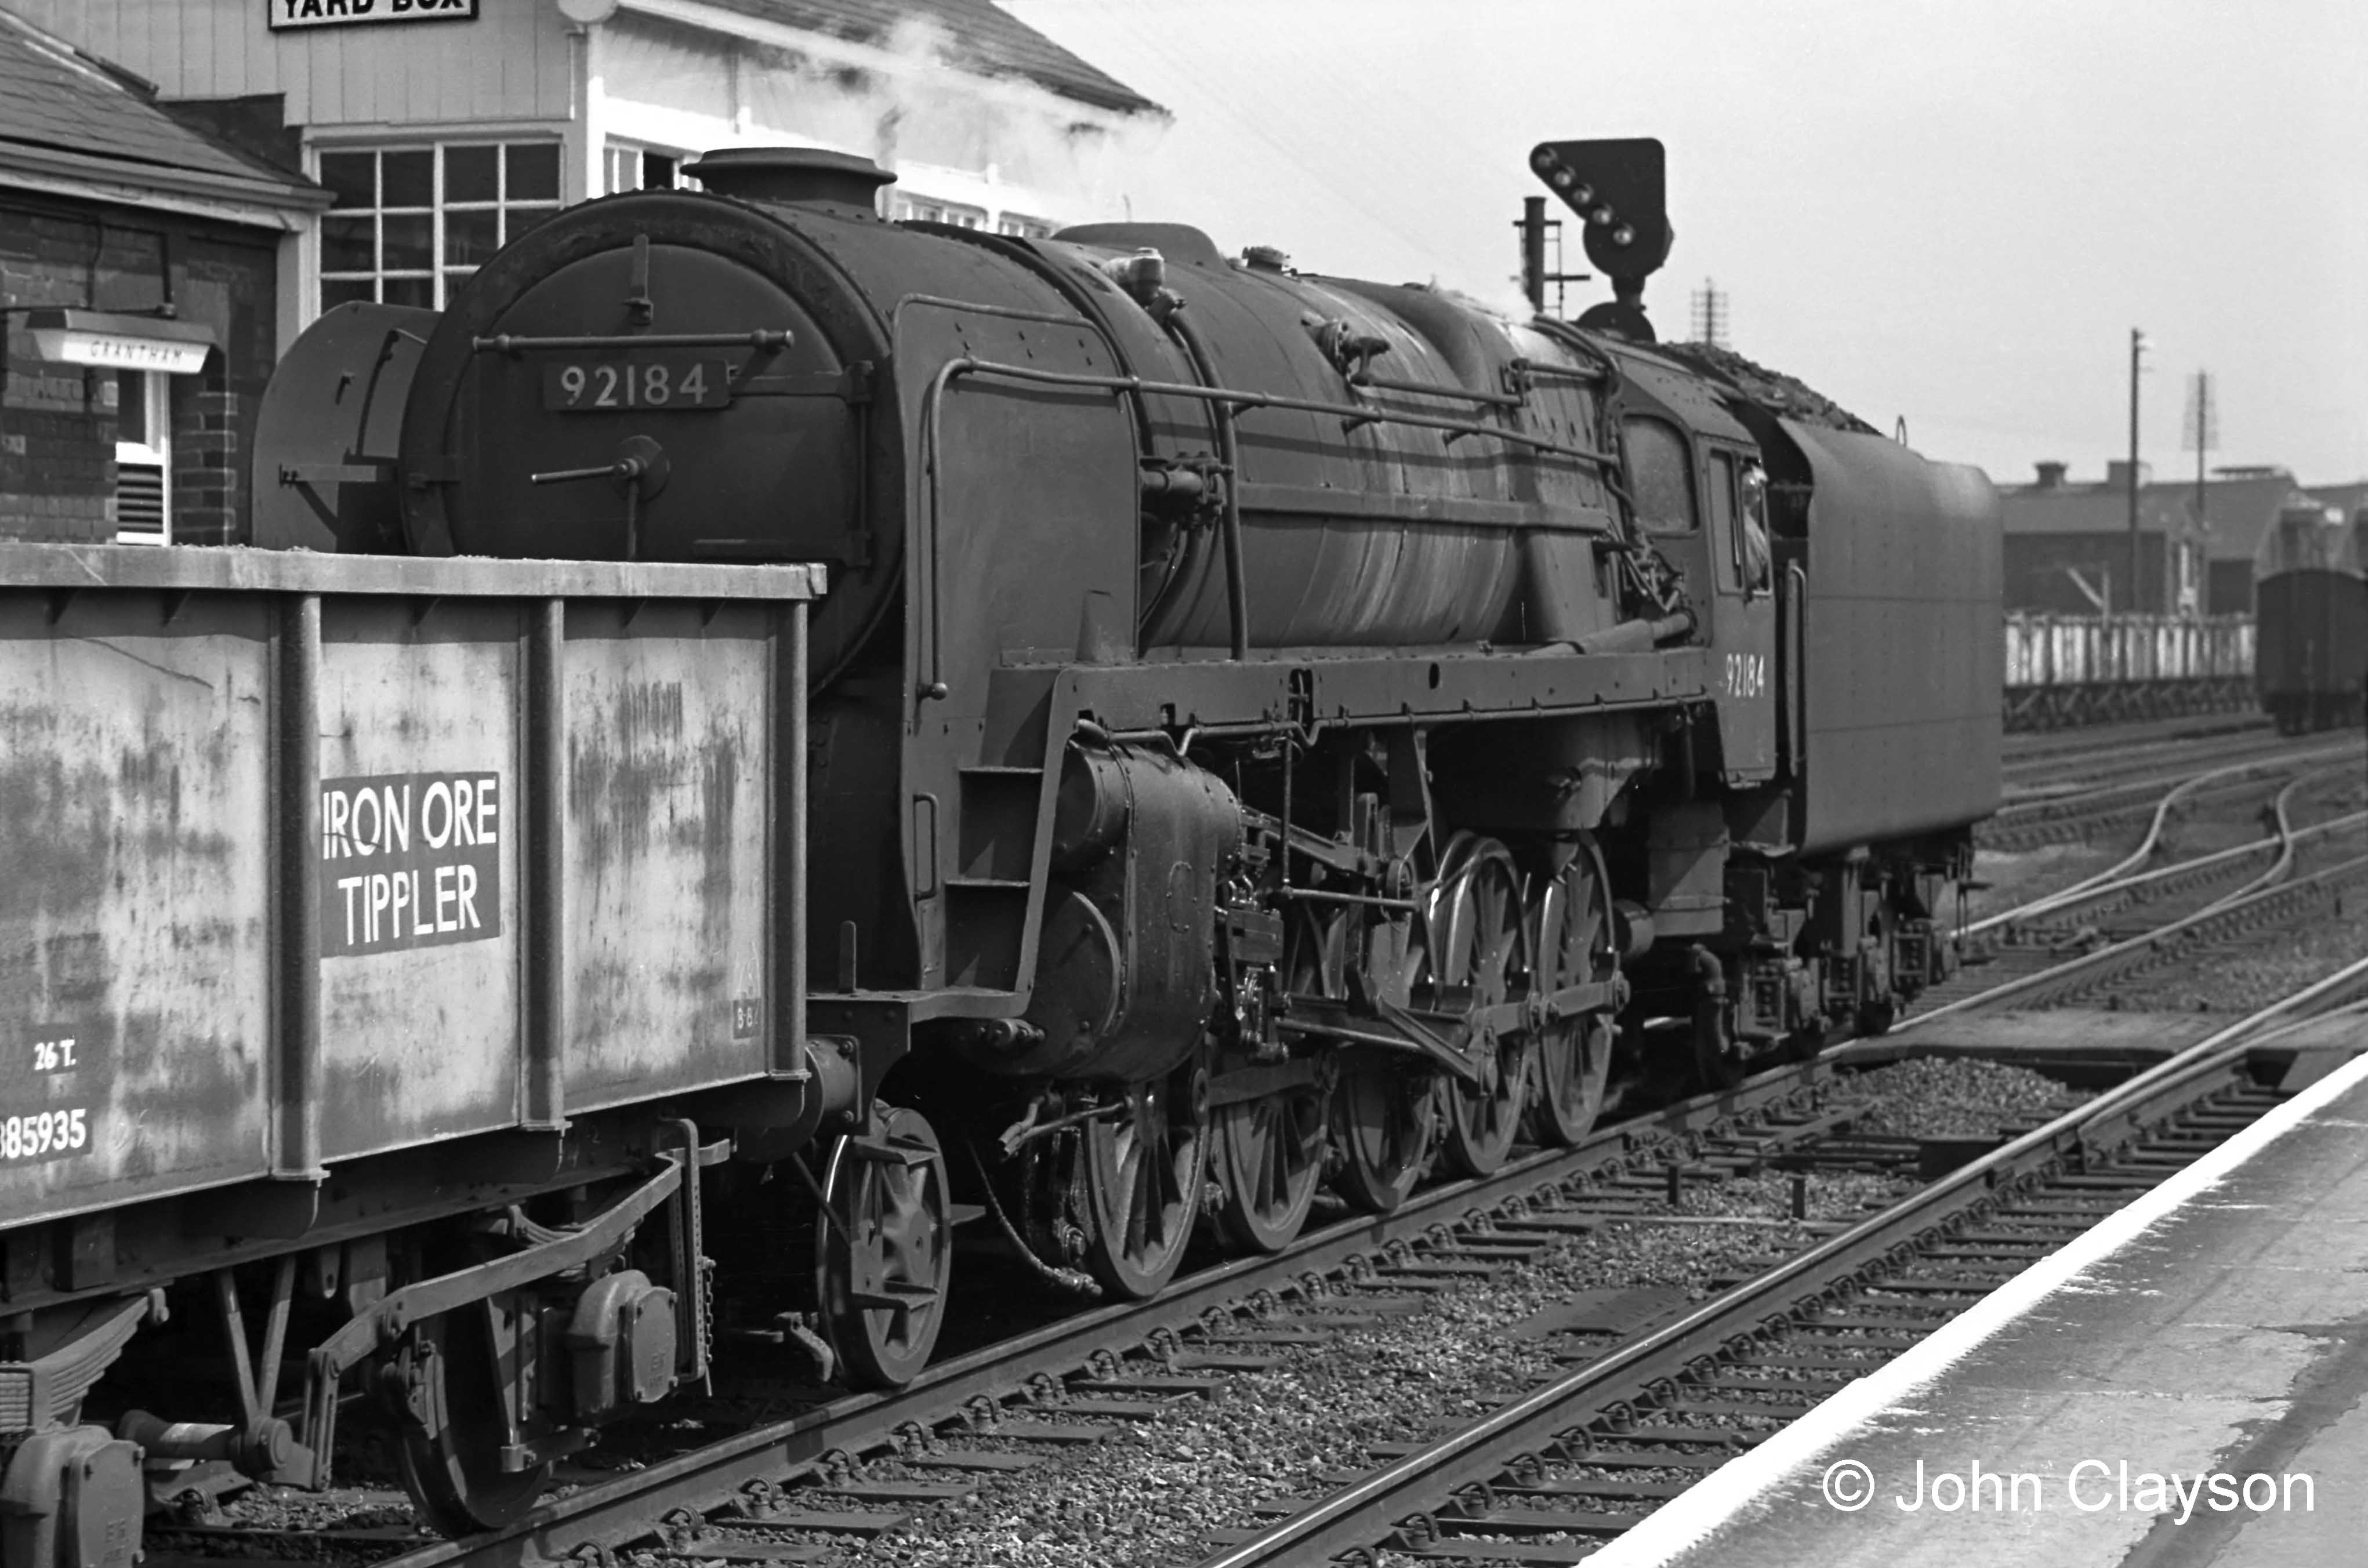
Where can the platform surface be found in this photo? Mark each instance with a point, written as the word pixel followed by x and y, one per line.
pixel 2218 1327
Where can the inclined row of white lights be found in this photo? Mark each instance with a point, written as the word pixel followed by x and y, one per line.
pixel 1581 196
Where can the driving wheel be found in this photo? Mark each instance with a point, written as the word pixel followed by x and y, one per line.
pixel 1576 945
pixel 1482 949
pixel 1268 1152
pixel 1144 1165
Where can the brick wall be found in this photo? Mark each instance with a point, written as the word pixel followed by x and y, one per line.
pixel 57 436
pixel 58 423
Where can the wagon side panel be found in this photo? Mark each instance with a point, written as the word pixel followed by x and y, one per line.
pixel 420 834
pixel 668 713
pixel 135 929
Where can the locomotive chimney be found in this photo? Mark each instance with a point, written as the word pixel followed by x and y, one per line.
pixel 838 183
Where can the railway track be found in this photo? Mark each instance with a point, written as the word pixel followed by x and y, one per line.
pixel 2062 911
pixel 2130 749
pixel 1549 1477
pixel 2084 811
pixel 2065 944
pixel 2022 744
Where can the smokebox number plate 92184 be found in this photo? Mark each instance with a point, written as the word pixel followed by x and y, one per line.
pixel 647 382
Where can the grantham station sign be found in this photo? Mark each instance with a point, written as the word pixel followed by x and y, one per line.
pixel 286 13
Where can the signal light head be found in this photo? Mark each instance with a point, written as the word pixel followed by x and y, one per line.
pixel 1624 235
pixel 1600 215
pixel 1544 159
pixel 1561 178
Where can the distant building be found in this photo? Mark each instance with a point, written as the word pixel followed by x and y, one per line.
pixel 2068 543
pixel 2349 499
pixel 442 129
pixel 141 263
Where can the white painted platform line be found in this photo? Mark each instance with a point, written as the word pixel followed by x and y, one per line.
pixel 1692 1518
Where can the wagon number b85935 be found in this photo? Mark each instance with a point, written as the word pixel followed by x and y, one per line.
pixel 644 381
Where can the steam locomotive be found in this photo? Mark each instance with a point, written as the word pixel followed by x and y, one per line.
pixel 1263 732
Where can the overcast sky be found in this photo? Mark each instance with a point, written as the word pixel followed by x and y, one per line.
pixel 1949 212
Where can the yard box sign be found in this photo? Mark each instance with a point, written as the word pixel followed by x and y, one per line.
pixel 288 14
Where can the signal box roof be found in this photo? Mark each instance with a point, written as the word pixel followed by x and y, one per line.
pixel 71 117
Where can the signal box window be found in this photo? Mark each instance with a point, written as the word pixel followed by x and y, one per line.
pixel 1661 477
pixel 411 222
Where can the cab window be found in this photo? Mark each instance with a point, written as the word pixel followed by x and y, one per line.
pixel 1660 477
pixel 1724 524
pixel 1753 540
pixel 1738 520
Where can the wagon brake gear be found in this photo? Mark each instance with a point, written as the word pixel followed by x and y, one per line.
pixel 467 1447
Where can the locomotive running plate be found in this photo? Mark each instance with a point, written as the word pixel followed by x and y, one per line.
pixel 645 381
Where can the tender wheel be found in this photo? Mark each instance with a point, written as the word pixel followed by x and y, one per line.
pixel 1143 1168
pixel 1483 945
pixel 1267 1154
pixel 454 1428
pixel 881 1272
pixel 1576 946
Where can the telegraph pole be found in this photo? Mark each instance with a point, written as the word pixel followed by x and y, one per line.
pixel 2137 576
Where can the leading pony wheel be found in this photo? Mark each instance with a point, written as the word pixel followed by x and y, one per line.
pixel 884 1256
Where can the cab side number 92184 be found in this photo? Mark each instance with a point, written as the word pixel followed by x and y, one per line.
pixel 1746 674
pixel 643 381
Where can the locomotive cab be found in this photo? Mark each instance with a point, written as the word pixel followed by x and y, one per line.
pixel 1688 460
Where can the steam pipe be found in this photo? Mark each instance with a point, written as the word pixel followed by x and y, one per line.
pixel 1633 636
pixel 1237 592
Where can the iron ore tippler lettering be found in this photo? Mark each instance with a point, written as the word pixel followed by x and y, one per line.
pixel 1262 730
